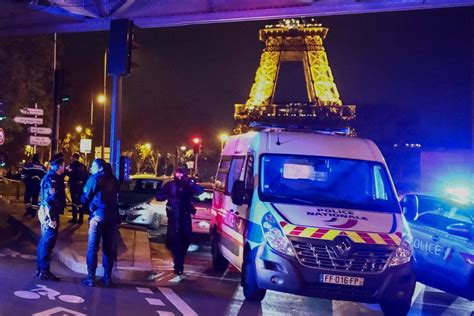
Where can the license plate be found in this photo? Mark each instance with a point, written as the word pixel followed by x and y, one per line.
pixel 341 279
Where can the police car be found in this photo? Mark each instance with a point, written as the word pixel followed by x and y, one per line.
pixel 443 232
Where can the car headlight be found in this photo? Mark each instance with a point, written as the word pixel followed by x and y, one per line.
pixel 139 207
pixel 275 237
pixel 404 251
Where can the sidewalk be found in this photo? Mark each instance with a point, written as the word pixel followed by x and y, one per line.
pixel 134 257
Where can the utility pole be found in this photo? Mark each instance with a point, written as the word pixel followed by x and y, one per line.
pixel 56 106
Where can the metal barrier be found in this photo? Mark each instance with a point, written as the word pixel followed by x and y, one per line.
pixel 17 185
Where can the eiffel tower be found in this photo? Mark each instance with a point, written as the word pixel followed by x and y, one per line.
pixel 288 41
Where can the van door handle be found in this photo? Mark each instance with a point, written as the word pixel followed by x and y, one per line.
pixel 435 238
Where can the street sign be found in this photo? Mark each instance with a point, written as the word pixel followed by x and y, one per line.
pixel 2 136
pixel 28 120
pixel 32 111
pixel 86 145
pixel 39 140
pixel 40 130
pixel 98 153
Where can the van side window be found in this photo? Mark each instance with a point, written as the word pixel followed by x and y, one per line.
pixel 249 173
pixel 222 172
pixel 379 186
pixel 234 172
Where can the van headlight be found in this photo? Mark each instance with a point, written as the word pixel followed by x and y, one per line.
pixel 402 254
pixel 275 237
pixel 404 251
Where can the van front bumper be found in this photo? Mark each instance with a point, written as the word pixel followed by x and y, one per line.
pixel 283 273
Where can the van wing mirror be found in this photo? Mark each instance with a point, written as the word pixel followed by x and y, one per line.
pixel 460 229
pixel 239 193
pixel 410 206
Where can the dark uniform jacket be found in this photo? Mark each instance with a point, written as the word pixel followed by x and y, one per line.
pixel 53 194
pixel 78 174
pixel 32 173
pixel 101 193
pixel 179 194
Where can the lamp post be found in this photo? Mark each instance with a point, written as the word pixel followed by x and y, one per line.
pixel 223 137
pixel 102 100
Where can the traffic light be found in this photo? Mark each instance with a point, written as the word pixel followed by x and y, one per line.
pixel 119 55
pixel 197 143
pixel 3 111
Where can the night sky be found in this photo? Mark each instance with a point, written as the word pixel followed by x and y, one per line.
pixel 409 73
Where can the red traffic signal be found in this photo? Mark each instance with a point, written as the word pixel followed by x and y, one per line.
pixel 197 142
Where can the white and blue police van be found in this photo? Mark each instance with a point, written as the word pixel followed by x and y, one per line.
pixel 311 214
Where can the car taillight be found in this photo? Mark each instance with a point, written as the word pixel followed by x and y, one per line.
pixel 468 257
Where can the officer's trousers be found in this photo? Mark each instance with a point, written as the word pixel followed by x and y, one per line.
pixel 178 239
pixel 107 231
pixel 45 246
pixel 31 199
pixel 76 192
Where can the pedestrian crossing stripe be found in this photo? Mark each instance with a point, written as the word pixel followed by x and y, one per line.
pixel 330 234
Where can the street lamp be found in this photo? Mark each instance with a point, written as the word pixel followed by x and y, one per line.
pixel 183 148
pixel 148 146
pixel 223 137
pixel 102 99
pixel 79 128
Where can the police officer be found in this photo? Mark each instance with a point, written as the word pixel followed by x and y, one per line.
pixel 101 194
pixel 77 173
pixel 32 174
pixel 179 208
pixel 53 201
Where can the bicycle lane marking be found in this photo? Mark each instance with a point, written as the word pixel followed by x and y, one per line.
pixel 177 301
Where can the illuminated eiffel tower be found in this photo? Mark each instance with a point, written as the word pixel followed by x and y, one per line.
pixel 288 41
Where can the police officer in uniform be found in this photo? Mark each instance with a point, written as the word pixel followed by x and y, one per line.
pixel 53 201
pixel 77 173
pixel 32 174
pixel 101 194
pixel 179 208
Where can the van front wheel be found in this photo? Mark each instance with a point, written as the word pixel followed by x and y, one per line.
pixel 219 263
pixel 249 280
pixel 397 308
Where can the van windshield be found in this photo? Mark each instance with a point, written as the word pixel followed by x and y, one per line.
pixel 323 181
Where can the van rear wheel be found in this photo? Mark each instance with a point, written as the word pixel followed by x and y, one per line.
pixel 249 280
pixel 397 308
pixel 219 263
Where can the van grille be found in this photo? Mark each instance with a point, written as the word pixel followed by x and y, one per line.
pixel 326 257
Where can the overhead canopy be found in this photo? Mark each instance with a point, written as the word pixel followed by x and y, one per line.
pixel 47 16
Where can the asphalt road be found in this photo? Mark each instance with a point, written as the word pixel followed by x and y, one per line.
pixel 200 292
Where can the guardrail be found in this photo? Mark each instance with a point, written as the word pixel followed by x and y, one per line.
pixel 15 182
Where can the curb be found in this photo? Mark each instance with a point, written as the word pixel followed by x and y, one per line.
pixel 77 263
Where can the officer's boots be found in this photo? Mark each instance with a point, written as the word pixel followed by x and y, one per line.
pixel 90 280
pixel 106 280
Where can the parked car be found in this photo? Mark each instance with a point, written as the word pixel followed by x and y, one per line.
pixel 443 232
pixel 135 198
pixel 139 206
pixel 200 221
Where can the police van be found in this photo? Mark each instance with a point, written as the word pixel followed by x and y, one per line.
pixel 311 214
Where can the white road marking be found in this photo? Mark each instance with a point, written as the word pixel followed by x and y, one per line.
pixel 176 279
pixel 163 313
pixel 181 305
pixel 144 290
pixel 154 301
pixel 419 288
pixel 59 311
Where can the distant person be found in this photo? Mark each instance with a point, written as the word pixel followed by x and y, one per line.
pixel 31 175
pixel 53 201
pixel 101 194
pixel 77 173
pixel 179 208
